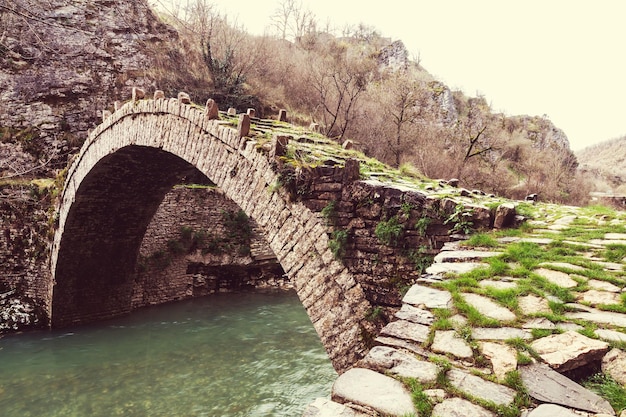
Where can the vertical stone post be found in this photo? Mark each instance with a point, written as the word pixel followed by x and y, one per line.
pixel 184 98
pixel 211 111
pixel 159 94
pixel 252 112
pixel 232 111
pixel 243 127
pixel 279 146
pixel 282 115
pixel 137 94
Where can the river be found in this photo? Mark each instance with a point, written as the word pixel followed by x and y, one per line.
pixel 250 354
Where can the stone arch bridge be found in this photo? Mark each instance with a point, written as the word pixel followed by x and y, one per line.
pixel 319 211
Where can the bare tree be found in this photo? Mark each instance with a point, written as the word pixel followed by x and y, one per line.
pixel 339 78
pixel 292 21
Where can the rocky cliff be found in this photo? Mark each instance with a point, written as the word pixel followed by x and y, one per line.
pixel 63 62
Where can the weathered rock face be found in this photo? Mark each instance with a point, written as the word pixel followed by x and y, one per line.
pixel 64 62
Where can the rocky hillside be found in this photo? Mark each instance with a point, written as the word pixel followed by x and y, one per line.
pixel 61 64
pixel 605 164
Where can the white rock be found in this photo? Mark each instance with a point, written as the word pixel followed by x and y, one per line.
pixel 323 407
pixel 458 407
pixel 569 350
pixel 595 284
pixel 552 410
pixel 557 277
pixel 447 341
pixel 488 307
pixel 531 304
pixel 420 295
pixel 407 330
pixel 614 364
pixel 500 333
pixel 371 389
pixel 481 388
pixel 611 335
pixel 503 358
pixel 386 359
pixel 596 297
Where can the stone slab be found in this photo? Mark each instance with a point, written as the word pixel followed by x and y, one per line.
pixel 552 410
pixel 564 265
pixel 614 364
pixel 539 323
pixel 481 388
pixel 547 385
pixel 500 333
pixel 615 236
pixel 569 350
pixel 499 285
pixel 371 389
pixel 451 256
pixel 387 359
pixel 531 304
pixel 402 344
pixel 610 266
pixel 596 297
pixel 596 284
pixel 599 316
pixel 458 407
pixel 415 315
pixel 406 330
pixel 488 307
pixel 557 277
pixel 453 268
pixel 447 341
pixel 323 407
pixel 503 358
pixel 611 335
pixel 420 295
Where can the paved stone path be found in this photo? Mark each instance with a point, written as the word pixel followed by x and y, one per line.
pixel 465 367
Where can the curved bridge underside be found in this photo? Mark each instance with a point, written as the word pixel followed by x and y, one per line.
pixel 119 179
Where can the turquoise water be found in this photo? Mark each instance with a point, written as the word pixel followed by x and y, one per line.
pixel 253 354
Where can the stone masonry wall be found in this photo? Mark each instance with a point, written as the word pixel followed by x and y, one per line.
pixel 360 212
pixel 170 269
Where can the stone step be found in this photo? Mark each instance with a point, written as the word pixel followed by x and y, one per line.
pixel 547 385
pixel 373 390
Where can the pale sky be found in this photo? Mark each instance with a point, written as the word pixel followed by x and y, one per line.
pixel 562 58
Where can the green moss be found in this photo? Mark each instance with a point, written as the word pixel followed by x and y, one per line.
pixel 337 243
pixel 389 231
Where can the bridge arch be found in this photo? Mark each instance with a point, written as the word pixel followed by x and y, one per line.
pixel 120 177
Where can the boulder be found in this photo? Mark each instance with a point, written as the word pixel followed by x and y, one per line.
pixel 614 364
pixel 505 216
pixel 569 350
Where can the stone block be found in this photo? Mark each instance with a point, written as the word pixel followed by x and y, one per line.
pixel 371 389
pixel 569 350
pixel 547 385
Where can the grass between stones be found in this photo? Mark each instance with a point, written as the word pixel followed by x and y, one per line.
pixel 609 389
